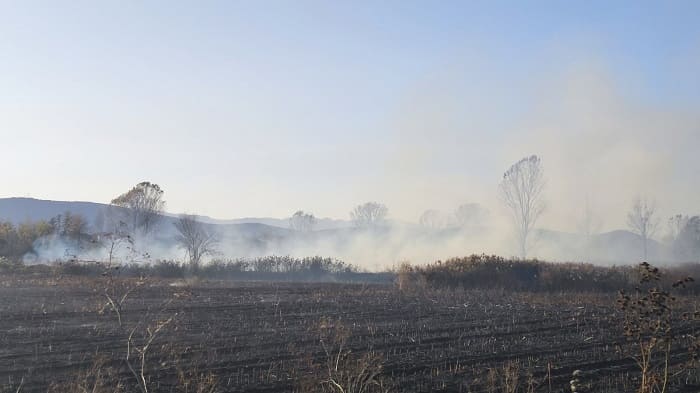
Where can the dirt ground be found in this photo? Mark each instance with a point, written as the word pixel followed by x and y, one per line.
pixel 62 334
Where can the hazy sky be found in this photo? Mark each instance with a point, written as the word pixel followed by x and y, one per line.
pixel 260 108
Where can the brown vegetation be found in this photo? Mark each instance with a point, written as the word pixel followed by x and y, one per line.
pixel 494 272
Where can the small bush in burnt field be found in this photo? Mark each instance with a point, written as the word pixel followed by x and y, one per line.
pixel 99 377
pixel 409 280
pixel 8 265
pixel 652 324
pixel 342 370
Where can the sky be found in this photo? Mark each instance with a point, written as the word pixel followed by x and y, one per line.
pixel 262 108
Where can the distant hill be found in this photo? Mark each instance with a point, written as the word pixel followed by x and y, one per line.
pixel 321 223
pixel 17 210
pixel 618 246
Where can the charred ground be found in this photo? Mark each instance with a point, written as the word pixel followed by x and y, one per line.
pixel 58 334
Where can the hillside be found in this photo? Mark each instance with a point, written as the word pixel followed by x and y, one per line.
pixel 18 210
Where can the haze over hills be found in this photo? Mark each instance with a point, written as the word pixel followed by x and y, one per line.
pixel 249 237
pixel 19 209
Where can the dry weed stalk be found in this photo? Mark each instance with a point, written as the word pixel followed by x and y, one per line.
pixel 141 350
pixel 346 372
pixel 100 377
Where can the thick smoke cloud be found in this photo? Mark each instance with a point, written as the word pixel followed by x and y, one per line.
pixel 602 143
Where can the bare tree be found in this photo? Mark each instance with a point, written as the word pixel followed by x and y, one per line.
pixel 141 207
pixel 432 219
pixel 302 222
pixel 470 215
pixel 368 215
pixel 522 189
pixel 642 221
pixel 196 239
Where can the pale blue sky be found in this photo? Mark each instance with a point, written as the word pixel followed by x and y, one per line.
pixel 259 108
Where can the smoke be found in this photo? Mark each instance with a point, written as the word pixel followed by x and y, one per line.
pixel 602 140
pixel 98 246
pixel 373 249
pixel 57 248
pixel 603 143
pixel 599 143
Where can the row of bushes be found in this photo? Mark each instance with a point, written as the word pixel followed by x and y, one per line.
pixel 272 268
pixel 472 272
pixel 494 272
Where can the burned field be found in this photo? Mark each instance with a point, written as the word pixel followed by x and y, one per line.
pixel 61 334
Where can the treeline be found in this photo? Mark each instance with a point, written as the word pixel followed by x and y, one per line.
pixel 17 241
pixel 269 268
pixel 494 272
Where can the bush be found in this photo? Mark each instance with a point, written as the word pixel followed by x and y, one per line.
pixel 280 268
pixel 494 272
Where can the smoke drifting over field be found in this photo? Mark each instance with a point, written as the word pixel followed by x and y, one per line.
pixel 373 249
pixel 601 146
pixel 597 141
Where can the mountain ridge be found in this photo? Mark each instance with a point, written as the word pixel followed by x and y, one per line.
pixel 21 209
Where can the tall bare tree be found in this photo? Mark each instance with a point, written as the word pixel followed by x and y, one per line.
pixel 196 239
pixel 140 208
pixel 302 221
pixel 642 221
pixel 369 215
pixel 522 189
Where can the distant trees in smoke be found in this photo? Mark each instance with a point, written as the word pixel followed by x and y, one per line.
pixel 642 220
pixel 470 215
pixel 369 215
pixel 432 219
pixel 123 232
pixel 73 230
pixel 466 216
pixel 685 243
pixel 302 221
pixel 522 189
pixel 676 224
pixel 69 231
pixel 18 240
pixel 197 239
pixel 70 225
pixel 131 215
